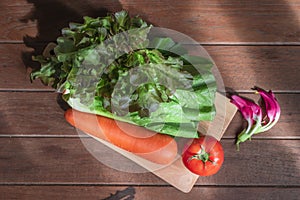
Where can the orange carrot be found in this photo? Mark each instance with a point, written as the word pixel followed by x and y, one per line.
pixel 158 148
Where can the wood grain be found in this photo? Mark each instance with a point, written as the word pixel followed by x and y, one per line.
pixel 41 113
pixel 205 21
pixel 241 67
pixel 33 113
pixel 145 193
pixel 14 67
pixel 41 156
pixel 66 161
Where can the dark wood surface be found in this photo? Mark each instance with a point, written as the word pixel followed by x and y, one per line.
pixel 252 43
pixel 143 192
pixel 207 21
pixel 49 160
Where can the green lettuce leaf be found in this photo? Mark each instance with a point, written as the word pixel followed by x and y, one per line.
pixel 149 82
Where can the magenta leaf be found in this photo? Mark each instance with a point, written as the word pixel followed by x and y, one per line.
pixel 272 108
pixel 252 113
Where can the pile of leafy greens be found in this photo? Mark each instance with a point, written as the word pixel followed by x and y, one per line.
pixel 109 66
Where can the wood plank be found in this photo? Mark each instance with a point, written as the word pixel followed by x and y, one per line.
pixel 14 68
pixel 41 113
pixel 241 67
pixel 66 161
pixel 33 113
pixel 205 21
pixel 146 193
pixel 270 67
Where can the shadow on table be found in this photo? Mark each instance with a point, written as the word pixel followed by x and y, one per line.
pixel 126 194
pixel 53 15
pixel 243 20
pixel 290 32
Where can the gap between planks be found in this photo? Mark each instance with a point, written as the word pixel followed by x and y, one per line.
pixel 201 43
pixel 82 136
pixel 53 90
pixel 137 185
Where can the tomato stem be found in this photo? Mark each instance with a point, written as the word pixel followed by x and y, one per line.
pixel 204 156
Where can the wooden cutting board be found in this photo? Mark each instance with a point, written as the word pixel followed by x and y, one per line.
pixel 176 173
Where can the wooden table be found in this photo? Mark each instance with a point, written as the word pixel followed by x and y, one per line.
pixel 252 43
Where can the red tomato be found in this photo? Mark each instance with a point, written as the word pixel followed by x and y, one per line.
pixel 204 156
